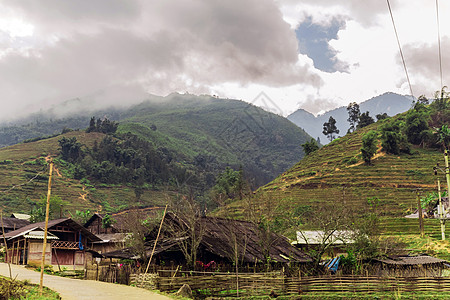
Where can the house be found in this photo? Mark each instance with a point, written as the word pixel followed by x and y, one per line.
pixel 335 240
pixel 432 210
pixel 114 235
pixel 21 216
pixel 10 224
pixel 410 266
pixel 220 242
pixel 68 244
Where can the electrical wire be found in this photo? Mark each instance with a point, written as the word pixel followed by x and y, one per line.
pixel 18 185
pixel 400 48
pixel 439 43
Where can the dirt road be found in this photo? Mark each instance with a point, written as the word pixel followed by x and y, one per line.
pixel 75 289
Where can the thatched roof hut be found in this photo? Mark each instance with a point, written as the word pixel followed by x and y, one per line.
pixel 221 240
pixel 410 266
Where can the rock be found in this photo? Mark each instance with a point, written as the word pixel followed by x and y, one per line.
pixel 184 291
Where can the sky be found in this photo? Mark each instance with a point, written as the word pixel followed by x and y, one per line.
pixel 279 54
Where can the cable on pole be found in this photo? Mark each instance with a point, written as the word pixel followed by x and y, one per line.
pixel 439 43
pixel 400 48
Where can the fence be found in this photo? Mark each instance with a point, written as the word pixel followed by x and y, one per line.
pixel 266 283
pixel 116 273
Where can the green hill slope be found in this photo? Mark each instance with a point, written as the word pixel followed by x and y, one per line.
pixel 195 135
pixel 335 176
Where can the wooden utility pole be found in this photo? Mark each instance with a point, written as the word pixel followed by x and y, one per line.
pixel 441 210
pixel 44 245
pixel 422 233
pixel 154 245
pixel 447 173
pixel 7 256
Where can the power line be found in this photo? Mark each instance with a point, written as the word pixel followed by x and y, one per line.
pixel 18 185
pixel 439 43
pixel 400 48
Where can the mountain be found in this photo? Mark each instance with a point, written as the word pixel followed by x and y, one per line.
pixel 389 103
pixel 335 181
pixel 191 139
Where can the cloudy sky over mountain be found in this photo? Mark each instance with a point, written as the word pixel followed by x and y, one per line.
pixel 314 54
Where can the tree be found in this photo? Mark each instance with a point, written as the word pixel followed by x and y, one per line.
pixel 55 209
pixel 369 146
pixel 364 120
pixel 353 115
pixel 229 184
pixel 331 223
pixel 183 224
pixel 70 149
pixel 416 124
pixel 330 129
pixel 310 147
pixel 382 116
pixel 92 126
pixel 443 136
pixel 392 139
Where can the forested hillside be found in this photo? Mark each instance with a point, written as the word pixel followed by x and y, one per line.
pixel 180 142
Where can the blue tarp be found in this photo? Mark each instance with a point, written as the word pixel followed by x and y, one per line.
pixel 333 264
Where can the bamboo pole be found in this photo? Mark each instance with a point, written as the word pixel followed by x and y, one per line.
pixel 441 211
pixel 44 245
pixel 156 241
pixel 419 206
pixel 447 173
pixel 6 245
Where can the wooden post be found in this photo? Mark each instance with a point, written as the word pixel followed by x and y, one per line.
pixel 422 233
pixel 6 246
pixel 447 173
pixel 441 211
pixel 156 241
pixel 44 245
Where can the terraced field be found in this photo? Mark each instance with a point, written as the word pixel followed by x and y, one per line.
pixel 337 174
pixel 24 180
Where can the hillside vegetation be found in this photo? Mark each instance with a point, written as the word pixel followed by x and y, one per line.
pixel 180 142
pixel 336 176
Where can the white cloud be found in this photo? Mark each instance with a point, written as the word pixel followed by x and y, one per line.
pixel 57 50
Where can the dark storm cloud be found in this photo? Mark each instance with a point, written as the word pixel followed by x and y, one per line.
pixel 164 46
pixel 314 42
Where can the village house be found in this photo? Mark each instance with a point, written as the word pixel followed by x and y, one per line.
pixel 13 223
pixel 335 241
pixel 113 234
pixel 69 244
pixel 410 266
pixel 220 242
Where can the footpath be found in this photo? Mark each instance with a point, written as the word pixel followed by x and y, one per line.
pixel 76 289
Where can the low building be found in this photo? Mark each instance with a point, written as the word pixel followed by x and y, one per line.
pixel 335 240
pixel 67 245
pixel 220 242
pixel 10 224
pixel 410 266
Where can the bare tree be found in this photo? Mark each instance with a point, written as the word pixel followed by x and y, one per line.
pixel 185 226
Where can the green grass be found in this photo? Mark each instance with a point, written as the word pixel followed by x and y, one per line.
pixel 30 291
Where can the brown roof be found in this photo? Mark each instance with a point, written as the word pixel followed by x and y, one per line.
pixel 64 221
pixel 14 223
pixel 120 219
pixel 411 260
pixel 218 236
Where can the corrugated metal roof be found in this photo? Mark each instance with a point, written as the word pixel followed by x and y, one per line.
pixel 39 234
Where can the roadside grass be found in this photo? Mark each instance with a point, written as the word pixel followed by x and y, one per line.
pixel 24 290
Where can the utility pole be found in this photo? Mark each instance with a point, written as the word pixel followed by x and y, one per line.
pixel 422 233
pixel 447 175
pixel 44 245
pixel 441 209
